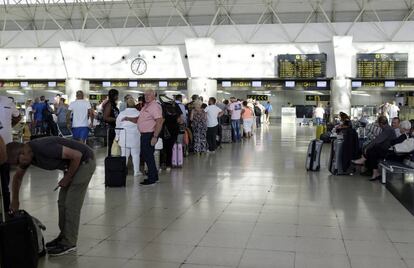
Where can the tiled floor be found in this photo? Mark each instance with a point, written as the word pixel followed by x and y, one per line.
pixel 249 205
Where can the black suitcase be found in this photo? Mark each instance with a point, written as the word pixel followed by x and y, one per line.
pixel 116 170
pixel 313 157
pixel 18 240
pixel 335 159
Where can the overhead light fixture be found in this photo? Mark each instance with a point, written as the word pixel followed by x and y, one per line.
pixel 54 91
pixel 14 92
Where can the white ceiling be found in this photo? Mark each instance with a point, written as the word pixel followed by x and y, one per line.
pixel 75 14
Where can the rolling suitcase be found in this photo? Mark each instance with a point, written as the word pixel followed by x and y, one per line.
pixel 226 134
pixel 19 245
pixel 320 130
pixel 177 155
pixel 335 160
pixel 313 158
pixel 115 169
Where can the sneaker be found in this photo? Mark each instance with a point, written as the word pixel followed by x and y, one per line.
pixel 53 243
pixel 137 174
pixel 60 250
pixel 147 182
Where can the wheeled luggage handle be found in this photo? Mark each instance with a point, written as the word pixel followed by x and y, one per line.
pixel 3 210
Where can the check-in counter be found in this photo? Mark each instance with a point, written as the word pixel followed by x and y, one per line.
pixel 288 115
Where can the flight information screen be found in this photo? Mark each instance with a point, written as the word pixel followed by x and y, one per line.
pixel 382 65
pixel 302 65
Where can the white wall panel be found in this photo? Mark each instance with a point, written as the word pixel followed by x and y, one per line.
pixel 34 63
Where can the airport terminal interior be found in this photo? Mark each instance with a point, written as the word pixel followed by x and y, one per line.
pixel 258 133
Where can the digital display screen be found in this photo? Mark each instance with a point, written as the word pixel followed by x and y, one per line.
pixel 226 83
pixel 382 65
pixel 163 84
pixel 302 65
pixel 356 84
pixel 133 84
pixel 257 84
pixel 389 83
pixel 290 84
pixel 106 84
pixel 24 84
pixel 51 84
pixel 321 84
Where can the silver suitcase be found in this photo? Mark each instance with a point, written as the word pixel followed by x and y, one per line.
pixel 313 159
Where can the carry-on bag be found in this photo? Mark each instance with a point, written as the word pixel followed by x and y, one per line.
pixel 177 155
pixel 226 134
pixel 335 159
pixel 320 129
pixel 19 245
pixel 115 168
pixel 313 158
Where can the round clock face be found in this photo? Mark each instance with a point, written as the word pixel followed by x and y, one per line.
pixel 138 66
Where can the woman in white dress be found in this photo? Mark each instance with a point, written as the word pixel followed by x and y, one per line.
pixel 129 138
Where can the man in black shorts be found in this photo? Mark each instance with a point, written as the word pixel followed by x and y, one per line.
pixel 77 161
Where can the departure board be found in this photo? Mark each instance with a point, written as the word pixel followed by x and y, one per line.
pixel 382 65
pixel 302 65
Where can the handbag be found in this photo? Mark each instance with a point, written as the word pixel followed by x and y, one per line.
pixel 406 146
pixel 159 145
pixel 100 131
pixel 115 149
pixel 166 134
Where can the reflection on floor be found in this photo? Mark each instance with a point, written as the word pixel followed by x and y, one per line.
pixel 249 205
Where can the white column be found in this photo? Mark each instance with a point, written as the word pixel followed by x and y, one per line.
pixel 204 87
pixel 341 96
pixel 73 84
pixel 202 62
pixel 341 89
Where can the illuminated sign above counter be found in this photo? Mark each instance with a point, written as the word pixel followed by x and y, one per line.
pixel 386 85
pixel 32 84
pixel 152 84
pixel 277 84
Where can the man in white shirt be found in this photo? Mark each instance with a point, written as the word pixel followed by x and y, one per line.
pixel 213 113
pixel 81 111
pixel 319 113
pixel 395 124
pixel 9 117
pixel 393 110
pixel 235 109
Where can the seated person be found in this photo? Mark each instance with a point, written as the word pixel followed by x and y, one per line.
pixel 395 124
pixel 406 133
pixel 350 144
pixel 378 148
pixel 405 130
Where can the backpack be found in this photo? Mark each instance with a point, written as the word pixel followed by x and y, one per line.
pixel 257 111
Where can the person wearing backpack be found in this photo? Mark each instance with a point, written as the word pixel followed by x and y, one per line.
pixel 258 114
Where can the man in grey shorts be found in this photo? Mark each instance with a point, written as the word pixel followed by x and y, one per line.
pixel 77 161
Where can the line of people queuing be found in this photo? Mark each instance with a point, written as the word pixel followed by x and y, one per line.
pixel 144 123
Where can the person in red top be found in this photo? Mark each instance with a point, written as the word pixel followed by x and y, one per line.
pixel 149 123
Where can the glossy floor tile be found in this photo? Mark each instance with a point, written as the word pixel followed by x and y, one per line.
pixel 251 204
